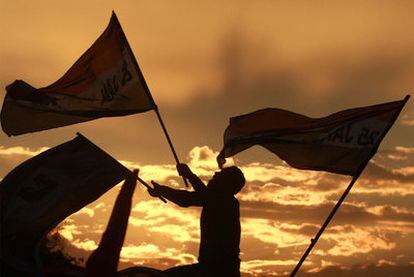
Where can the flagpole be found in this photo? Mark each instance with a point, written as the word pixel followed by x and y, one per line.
pixel 325 224
pixel 148 92
pixel 346 192
pixel 137 177
pixel 167 136
pixel 157 112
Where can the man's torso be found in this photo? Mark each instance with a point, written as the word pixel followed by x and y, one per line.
pixel 220 232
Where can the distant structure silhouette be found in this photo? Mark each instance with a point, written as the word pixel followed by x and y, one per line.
pixel 219 223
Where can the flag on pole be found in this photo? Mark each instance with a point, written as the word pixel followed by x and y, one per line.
pixel 105 81
pixel 47 188
pixel 340 143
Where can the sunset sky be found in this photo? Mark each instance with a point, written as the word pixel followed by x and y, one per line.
pixel 205 62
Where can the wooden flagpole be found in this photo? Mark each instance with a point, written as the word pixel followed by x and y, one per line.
pixel 346 192
pixel 325 224
pixel 148 92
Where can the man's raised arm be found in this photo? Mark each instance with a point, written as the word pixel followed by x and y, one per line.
pixel 105 259
pixel 196 182
pixel 182 198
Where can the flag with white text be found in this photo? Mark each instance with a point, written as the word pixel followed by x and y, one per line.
pixel 105 81
pixel 340 143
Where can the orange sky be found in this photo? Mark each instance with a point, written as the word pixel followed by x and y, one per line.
pixel 207 62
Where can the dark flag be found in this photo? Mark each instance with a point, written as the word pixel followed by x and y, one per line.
pixel 47 188
pixel 340 143
pixel 105 81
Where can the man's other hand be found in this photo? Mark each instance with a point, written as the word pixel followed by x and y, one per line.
pixel 154 192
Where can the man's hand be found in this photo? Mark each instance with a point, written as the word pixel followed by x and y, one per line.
pixel 184 170
pixel 154 192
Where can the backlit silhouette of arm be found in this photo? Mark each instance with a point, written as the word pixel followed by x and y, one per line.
pixel 195 181
pixel 182 198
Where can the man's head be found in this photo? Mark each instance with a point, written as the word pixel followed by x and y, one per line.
pixel 229 180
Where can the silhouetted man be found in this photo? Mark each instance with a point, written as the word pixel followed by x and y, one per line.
pixel 219 224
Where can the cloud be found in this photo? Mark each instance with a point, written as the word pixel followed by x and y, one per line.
pixel 85 210
pixel 267 267
pixel 176 232
pixel 152 209
pixel 85 244
pixel 18 150
pixel 12 156
pixel 405 171
pixel 377 172
pixel 281 208
pixel 148 252
pixel 139 252
pixel 100 205
pixel 169 221
pixel 271 232
pixel 408 119
pixel 204 160
pixel 371 270
pixel 69 230
pixel 267 172
pixel 360 240
pixel 401 153
pixel 381 199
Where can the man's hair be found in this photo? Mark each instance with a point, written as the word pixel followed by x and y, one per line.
pixel 235 177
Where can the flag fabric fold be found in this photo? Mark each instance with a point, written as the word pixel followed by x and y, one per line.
pixel 340 143
pixel 47 188
pixel 105 81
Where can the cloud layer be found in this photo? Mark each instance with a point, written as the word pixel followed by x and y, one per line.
pixel 281 209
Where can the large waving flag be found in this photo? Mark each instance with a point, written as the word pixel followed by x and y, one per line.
pixel 105 81
pixel 340 143
pixel 47 188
